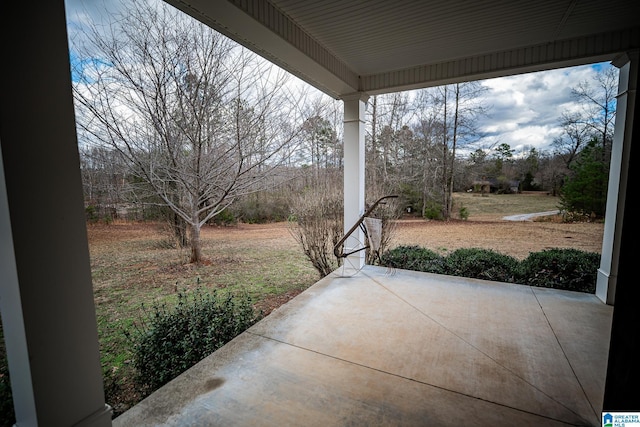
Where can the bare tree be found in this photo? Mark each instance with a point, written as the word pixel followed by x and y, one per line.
pixel 598 106
pixel 321 139
pixel 461 106
pixel 575 136
pixel 551 173
pixel 317 221
pixel 591 123
pixel 426 156
pixel 198 118
pixel 388 132
pixel 372 138
pixel 104 179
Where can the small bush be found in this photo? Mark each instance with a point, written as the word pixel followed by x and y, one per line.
pixel 316 223
pixel 171 340
pixel 483 264
pixel 569 269
pixel 433 212
pixel 414 258
pixel 464 213
pixel 226 217
pixel 410 197
pixel 91 214
pixel 261 208
pixel 576 216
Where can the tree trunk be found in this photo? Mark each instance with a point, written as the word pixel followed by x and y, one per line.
pixel 196 249
pixel 445 151
pixel 374 145
pixel 453 153
pixel 179 227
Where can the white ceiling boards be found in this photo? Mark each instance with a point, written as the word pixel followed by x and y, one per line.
pixel 377 46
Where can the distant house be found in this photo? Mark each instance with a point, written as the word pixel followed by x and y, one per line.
pixel 482 187
pixel 494 185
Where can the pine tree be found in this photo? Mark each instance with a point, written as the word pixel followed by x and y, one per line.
pixel 585 190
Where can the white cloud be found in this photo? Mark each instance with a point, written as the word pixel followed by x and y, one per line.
pixel 526 109
pixel 81 12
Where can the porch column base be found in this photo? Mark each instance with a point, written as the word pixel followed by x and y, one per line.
pixel 101 417
pixel 606 287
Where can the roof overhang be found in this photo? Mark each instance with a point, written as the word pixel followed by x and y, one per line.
pixel 377 46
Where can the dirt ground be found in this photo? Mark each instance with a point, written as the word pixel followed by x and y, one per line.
pixel 515 238
pixel 275 234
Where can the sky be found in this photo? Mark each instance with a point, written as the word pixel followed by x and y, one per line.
pixel 524 110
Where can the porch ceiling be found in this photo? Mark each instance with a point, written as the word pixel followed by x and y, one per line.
pixel 376 46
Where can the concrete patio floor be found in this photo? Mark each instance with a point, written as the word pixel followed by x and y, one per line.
pixel 400 348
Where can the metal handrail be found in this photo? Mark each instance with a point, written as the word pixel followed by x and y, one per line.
pixel 336 248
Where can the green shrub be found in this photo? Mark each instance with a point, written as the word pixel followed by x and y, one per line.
pixel 585 187
pixel 91 213
pixel 414 258
pixel 433 212
pixel 171 340
pixel 226 217
pixel 483 264
pixel 410 197
pixel 464 213
pixel 261 208
pixel 569 269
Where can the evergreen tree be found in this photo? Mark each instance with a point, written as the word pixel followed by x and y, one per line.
pixel 585 190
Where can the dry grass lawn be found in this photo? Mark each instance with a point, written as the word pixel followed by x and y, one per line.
pixel 517 239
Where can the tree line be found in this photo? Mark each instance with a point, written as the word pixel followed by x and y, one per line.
pixel 175 121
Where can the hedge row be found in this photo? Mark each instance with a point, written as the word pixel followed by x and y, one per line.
pixel 569 269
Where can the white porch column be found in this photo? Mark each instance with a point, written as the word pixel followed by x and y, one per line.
pixel 354 109
pixel 46 295
pixel 623 370
pixel 618 172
